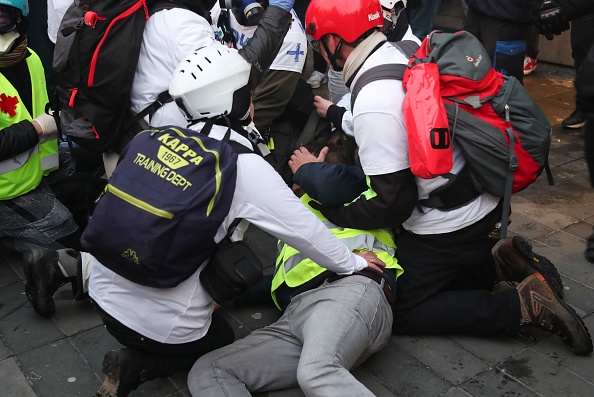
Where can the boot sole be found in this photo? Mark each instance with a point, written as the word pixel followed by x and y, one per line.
pixel 34 288
pixel 541 265
pixel 584 345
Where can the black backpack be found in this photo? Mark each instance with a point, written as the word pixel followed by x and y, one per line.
pixel 95 59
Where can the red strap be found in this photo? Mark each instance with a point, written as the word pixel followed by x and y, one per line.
pixel 123 15
pixel 73 93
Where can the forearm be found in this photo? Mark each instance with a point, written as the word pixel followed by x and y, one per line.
pixel 394 200
pixel 17 138
pixel 262 48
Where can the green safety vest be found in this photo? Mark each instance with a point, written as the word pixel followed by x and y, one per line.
pixel 294 269
pixel 22 173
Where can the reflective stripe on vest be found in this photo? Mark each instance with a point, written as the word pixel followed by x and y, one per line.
pixel 22 173
pixel 48 150
pixel 294 269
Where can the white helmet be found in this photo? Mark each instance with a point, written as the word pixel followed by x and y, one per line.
pixel 389 4
pixel 212 82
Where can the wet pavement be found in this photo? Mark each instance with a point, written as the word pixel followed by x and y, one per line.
pixel 62 356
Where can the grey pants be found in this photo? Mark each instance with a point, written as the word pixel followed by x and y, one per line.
pixel 323 334
pixel 34 220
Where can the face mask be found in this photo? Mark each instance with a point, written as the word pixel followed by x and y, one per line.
pixel 250 11
pixel 7 40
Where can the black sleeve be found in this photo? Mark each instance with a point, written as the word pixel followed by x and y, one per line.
pixel 263 47
pixel 331 184
pixel 576 8
pixel 334 115
pixel 396 197
pixel 17 138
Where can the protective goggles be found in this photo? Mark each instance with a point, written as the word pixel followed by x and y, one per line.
pixel 315 44
pixel 9 17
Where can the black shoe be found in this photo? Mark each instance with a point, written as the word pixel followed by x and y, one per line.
pixel 44 277
pixel 542 308
pixel 515 260
pixel 575 120
pixel 124 372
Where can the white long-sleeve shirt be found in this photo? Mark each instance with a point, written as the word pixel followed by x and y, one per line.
pixel 183 313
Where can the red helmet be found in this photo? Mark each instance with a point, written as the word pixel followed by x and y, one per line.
pixel 347 19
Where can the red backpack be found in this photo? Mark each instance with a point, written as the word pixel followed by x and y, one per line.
pixel 504 135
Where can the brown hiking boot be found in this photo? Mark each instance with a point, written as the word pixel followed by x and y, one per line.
pixel 515 260
pixel 542 308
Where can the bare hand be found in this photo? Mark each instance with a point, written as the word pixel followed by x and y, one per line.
pixel 372 260
pixel 321 106
pixel 303 156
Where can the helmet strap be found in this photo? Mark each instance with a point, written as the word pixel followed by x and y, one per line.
pixel 333 57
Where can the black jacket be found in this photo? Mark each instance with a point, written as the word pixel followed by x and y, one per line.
pixel 505 10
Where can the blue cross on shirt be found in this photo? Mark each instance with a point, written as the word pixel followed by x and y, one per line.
pixel 297 52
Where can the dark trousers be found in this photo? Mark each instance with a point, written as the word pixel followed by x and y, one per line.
pixel 505 42
pixel 165 358
pixel 447 284
pixel 582 39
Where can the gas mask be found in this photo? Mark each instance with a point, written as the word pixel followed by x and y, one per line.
pixel 247 12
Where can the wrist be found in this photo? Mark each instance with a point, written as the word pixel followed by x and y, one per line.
pixel 37 127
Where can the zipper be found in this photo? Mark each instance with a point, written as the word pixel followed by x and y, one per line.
pixel 139 203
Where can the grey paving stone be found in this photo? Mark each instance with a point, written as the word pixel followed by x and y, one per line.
pixel 455 392
pixel 56 369
pixel 20 327
pixel 545 376
pixel 581 230
pixel 405 375
pixel 4 351
pixel 528 227
pixel 12 260
pixel 7 274
pixel 92 345
pixel 565 242
pixel 14 382
pixel 73 316
pixel 375 385
pixel 494 383
pixel 490 350
pixel 543 214
pixel 578 295
pixel 443 356
pixel 254 317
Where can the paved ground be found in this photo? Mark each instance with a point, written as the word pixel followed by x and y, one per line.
pixel 62 356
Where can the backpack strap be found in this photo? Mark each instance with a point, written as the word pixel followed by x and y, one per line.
pixel 389 71
pixel 393 71
pixel 509 178
pixel 224 23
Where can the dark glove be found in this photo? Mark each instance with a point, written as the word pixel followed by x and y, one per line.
pixel 549 18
